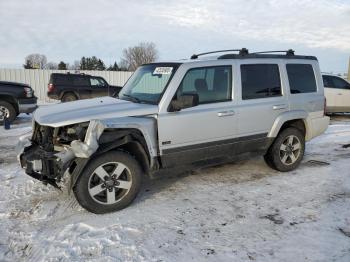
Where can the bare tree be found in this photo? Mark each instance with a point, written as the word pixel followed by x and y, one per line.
pixel 75 65
pixel 51 66
pixel 35 61
pixel 135 56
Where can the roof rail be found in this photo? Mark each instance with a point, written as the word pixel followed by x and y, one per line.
pixel 242 51
pixel 288 52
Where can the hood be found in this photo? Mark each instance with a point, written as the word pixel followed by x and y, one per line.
pixel 63 114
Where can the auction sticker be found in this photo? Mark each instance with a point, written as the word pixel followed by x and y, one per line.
pixel 163 71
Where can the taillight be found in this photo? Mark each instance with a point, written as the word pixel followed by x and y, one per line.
pixel 325 106
pixel 28 92
pixel 50 87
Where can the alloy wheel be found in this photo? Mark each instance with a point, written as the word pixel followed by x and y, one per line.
pixel 110 183
pixel 290 150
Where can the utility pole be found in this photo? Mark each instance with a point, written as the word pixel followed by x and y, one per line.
pixel 349 70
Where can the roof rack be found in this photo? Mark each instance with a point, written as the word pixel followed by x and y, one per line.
pixel 288 52
pixel 242 51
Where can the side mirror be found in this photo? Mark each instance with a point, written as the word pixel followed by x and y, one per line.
pixel 186 100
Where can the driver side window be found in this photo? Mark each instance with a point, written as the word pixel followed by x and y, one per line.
pixel 212 84
pixel 340 83
pixel 96 82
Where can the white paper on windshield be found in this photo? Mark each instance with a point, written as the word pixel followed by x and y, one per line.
pixel 163 71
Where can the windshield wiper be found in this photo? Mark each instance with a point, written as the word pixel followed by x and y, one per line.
pixel 134 99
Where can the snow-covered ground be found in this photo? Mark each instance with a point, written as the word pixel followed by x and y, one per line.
pixel 237 212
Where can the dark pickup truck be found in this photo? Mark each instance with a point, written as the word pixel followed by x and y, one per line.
pixel 70 87
pixel 16 98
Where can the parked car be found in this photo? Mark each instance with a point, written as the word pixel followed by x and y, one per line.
pixel 178 115
pixel 337 92
pixel 71 87
pixel 16 98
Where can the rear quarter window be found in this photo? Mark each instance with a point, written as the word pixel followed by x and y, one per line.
pixel 81 81
pixel 301 78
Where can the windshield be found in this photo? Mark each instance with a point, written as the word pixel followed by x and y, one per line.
pixel 148 83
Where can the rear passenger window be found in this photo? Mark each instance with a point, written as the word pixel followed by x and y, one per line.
pixel 81 81
pixel 61 80
pixel 327 81
pixel 212 84
pixel 301 78
pixel 260 81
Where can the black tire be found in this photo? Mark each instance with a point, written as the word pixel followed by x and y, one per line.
pixel 69 97
pixel 11 111
pixel 83 187
pixel 275 156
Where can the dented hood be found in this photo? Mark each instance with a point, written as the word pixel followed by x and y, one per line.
pixel 85 110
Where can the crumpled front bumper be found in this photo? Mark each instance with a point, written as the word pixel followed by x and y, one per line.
pixel 50 167
pixel 42 165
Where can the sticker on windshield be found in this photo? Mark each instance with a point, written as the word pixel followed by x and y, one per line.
pixel 163 71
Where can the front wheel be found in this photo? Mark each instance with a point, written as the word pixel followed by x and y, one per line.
pixel 109 183
pixel 287 151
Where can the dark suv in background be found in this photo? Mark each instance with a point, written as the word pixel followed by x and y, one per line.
pixel 16 98
pixel 70 87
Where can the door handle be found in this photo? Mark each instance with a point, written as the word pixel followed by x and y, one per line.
pixel 279 107
pixel 340 94
pixel 226 113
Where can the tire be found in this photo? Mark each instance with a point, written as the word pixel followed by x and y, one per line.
pixel 69 97
pixel 7 109
pixel 96 187
pixel 287 151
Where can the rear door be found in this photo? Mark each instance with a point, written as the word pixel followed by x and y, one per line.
pixel 262 101
pixel 81 84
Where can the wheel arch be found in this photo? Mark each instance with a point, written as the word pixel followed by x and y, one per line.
pixel 64 92
pixel 295 119
pixel 131 141
pixel 11 100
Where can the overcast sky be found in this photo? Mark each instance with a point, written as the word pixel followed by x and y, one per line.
pixel 69 29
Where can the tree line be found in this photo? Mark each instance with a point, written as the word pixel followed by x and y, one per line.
pixel 132 57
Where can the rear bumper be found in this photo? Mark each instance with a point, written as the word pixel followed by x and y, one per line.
pixel 317 126
pixel 53 96
pixel 27 105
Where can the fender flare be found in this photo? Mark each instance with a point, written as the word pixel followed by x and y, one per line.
pixel 285 117
pixel 80 163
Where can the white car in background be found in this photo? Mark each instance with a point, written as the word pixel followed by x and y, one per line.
pixel 337 93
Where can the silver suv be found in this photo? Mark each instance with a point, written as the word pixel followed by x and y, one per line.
pixel 178 115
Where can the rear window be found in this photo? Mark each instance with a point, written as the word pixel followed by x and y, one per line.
pixel 301 78
pixel 260 81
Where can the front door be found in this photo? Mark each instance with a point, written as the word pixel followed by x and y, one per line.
pixel 204 131
pixel 337 92
pixel 98 87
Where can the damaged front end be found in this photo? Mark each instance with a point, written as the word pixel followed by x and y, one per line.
pixel 50 151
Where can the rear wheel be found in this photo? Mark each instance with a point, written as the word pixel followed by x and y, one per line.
pixel 287 151
pixel 109 183
pixel 7 110
pixel 68 97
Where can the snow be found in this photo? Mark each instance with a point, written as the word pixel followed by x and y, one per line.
pixel 242 211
